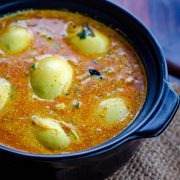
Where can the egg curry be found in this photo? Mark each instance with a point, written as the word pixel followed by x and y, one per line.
pixel 67 82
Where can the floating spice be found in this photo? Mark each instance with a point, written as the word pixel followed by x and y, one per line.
pixel 94 72
pixel 86 31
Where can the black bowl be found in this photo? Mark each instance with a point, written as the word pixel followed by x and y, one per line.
pixel 158 110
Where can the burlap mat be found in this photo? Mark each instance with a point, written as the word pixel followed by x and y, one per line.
pixel 157 158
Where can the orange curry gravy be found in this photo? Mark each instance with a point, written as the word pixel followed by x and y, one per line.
pixel 121 69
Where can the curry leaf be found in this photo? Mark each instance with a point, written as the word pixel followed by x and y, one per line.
pixel 86 31
pixel 33 66
pixel 94 72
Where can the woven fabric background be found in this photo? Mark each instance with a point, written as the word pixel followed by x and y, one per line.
pixel 157 158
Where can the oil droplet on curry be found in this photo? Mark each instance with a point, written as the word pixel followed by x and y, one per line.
pixel 67 82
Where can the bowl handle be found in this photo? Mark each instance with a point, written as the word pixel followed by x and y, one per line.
pixel 163 114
